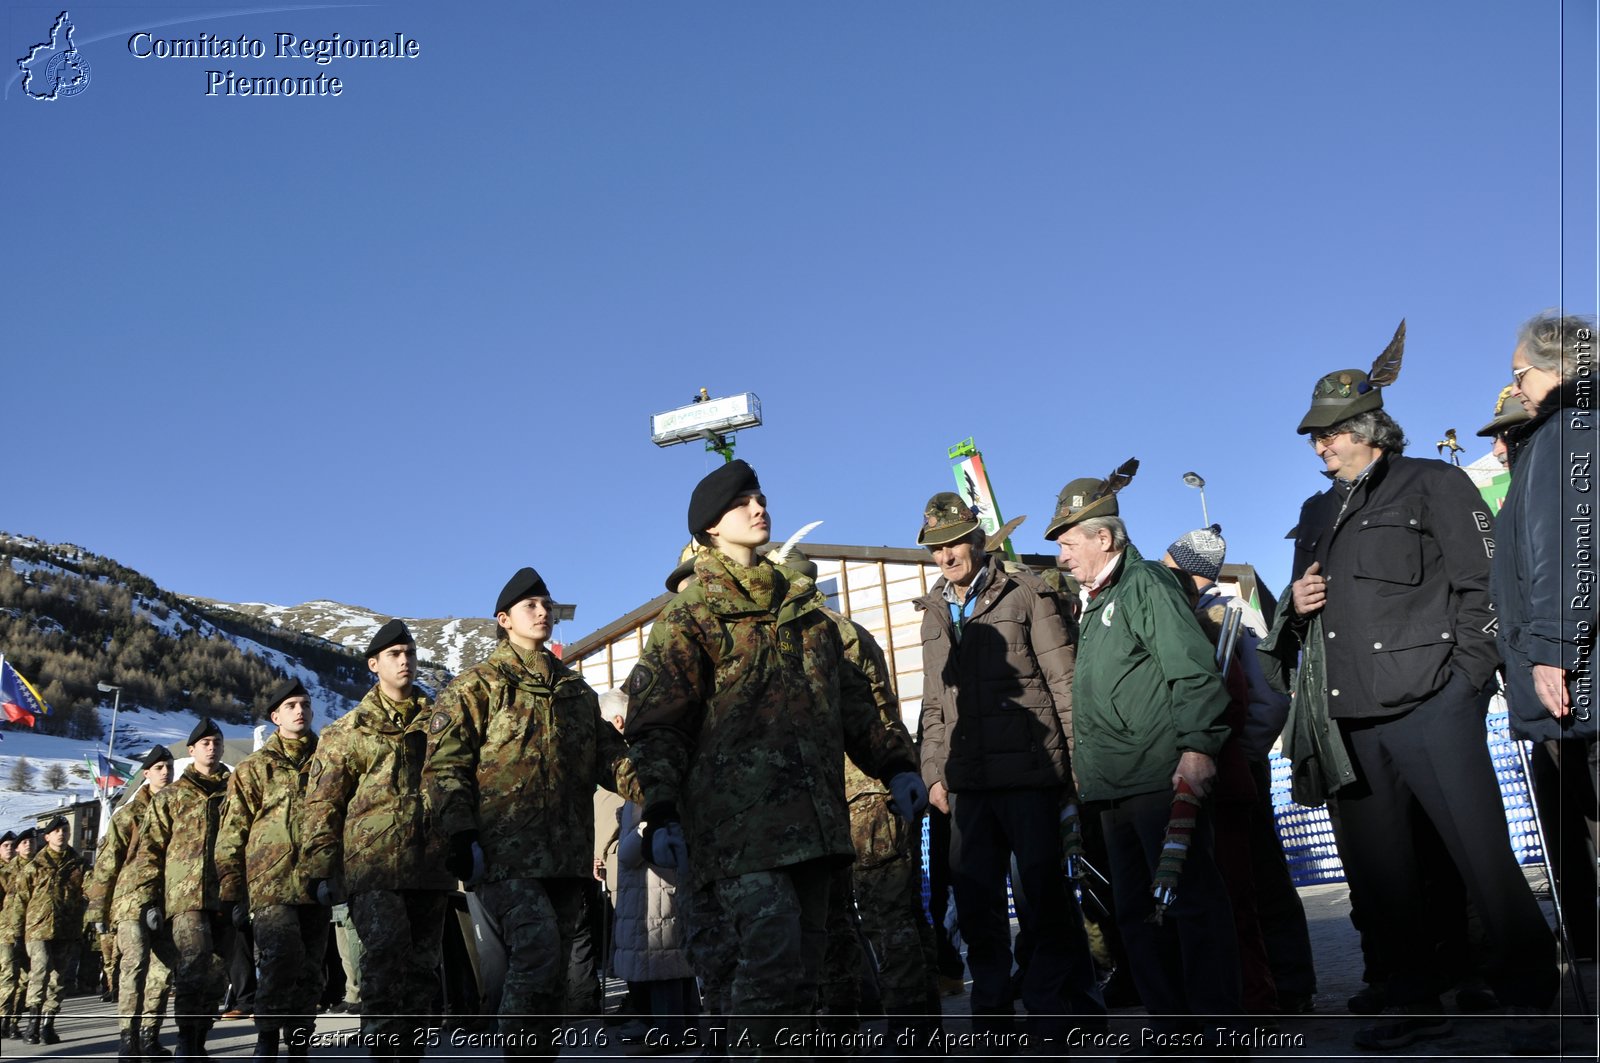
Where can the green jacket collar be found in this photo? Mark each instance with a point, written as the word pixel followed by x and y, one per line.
pixel 509 663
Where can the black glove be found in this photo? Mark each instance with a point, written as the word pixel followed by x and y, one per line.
pixel 241 915
pixel 459 862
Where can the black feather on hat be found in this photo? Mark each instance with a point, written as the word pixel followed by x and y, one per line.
pixel 527 583
pixel 204 729
pixel 156 755
pixel 284 690
pixel 390 634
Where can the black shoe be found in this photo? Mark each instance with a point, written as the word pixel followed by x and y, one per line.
pixel 33 1028
pixel 49 1033
pixel 1402 1031
pixel 150 1043
pixel 1296 1003
pixel 266 1045
pixel 1370 1001
pixel 128 1048
pixel 1476 998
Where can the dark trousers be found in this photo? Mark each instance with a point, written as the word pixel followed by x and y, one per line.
pixel 1563 790
pixel 950 965
pixel 1278 907
pixel 1188 964
pixel 1434 757
pixel 988 828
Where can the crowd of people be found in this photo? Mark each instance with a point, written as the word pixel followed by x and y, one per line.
pixel 1092 750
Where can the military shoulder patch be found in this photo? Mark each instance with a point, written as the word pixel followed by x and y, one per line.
pixel 640 680
pixel 438 721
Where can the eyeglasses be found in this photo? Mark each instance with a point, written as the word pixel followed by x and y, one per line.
pixel 1518 374
pixel 1318 438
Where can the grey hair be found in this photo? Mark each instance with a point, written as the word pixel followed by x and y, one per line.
pixel 1114 525
pixel 1559 344
pixel 1376 429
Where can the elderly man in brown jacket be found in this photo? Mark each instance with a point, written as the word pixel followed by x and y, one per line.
pixel 997 659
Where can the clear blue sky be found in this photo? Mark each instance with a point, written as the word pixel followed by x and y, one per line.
pixel 388 347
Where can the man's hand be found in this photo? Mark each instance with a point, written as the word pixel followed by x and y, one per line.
pixel 241 915
pixel 908 796
pixel 1310 591
pixel 1550 683
pixel 101 927
pixel 1072 841
pixel 939 797
pixel 1199 769
pixel 153 917
pixel 325 893
pixel 599 869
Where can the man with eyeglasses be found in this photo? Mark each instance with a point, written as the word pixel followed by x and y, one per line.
pixel 1391 585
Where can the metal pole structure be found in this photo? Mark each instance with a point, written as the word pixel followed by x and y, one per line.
pixel 1195 480
pixel 1573 974
pixel 106 688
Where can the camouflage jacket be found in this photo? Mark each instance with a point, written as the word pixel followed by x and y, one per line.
pixel 106 902
pixel 742 709
pixel 258 843
pixel 10 911
pixel 515 753
pixel 174 865
pixel 49 895
pixel 366 823
pixel 863 651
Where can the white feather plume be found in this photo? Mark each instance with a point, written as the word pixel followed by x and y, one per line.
pixel 781 554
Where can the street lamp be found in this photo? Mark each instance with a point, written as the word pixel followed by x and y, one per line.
pixel 107 688
pixel 1195 480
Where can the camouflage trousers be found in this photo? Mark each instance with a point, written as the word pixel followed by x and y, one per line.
pixel 291 943
pixel 13 977
pixel 713 947
pixel 844 964
pixel 49 965
pixel 401 935
pixel 196 946
pixel 109 958
pixel 884 886
pixel 536 920
pixel 889 900
pixel 144 982
pixel 780 919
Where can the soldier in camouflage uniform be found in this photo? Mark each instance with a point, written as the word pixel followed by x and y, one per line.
pixel 10 863
pixel 145 981
pixel 370 838
pixel 516 748
pixel 49 896
pixel 885 881
pixel 172 877
pixel 258 872
pixel 743 710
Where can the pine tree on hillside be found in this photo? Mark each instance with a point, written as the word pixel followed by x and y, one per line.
pixel 55 777
pixel 22 774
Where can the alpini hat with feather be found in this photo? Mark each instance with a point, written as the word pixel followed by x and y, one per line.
pixel 1089 497
pixel 947 518
pixel 1508 413
pixel 1342 395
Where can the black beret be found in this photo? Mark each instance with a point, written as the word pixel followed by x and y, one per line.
pixel 391 634
pixel 204 729
pixel 27 835
pixel 156 755
pixel 56 823
pixel 8 836
pixel 714 495
pixel 284 690
pixel 525 584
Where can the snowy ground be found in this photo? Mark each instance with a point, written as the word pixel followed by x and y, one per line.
pixel 137 731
